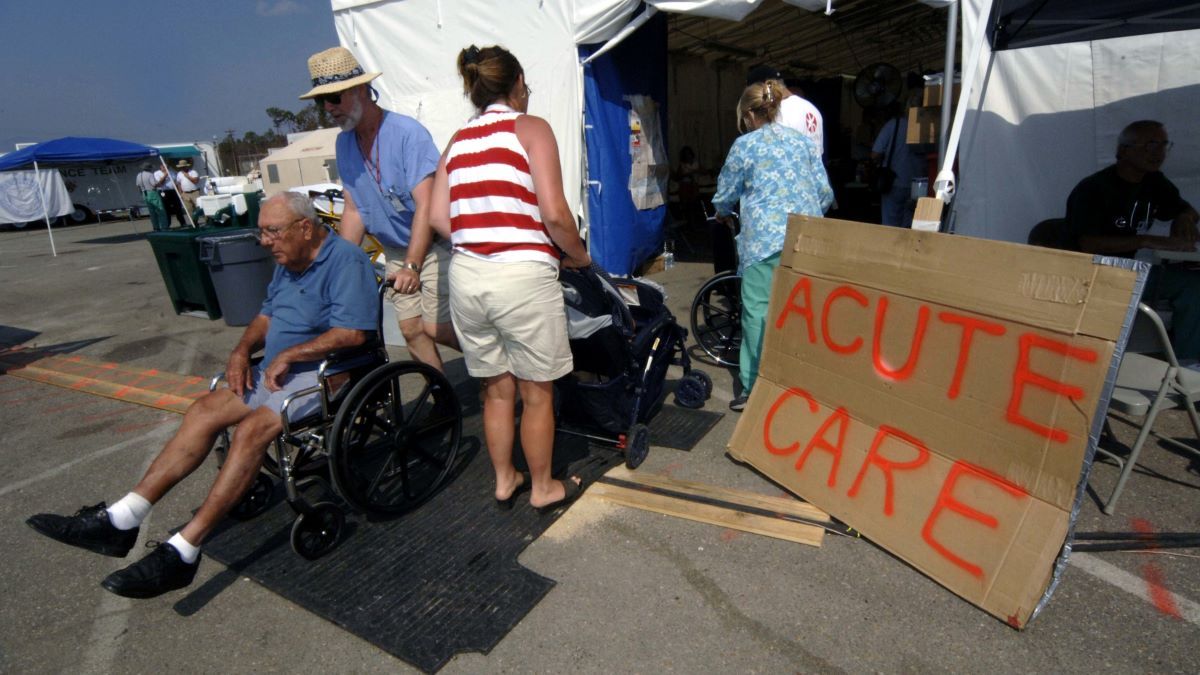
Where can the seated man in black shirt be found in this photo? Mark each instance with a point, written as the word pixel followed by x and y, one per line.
pixel 1110 211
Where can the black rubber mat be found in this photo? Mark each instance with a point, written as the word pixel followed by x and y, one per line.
pixel 440 580
pixel 681 428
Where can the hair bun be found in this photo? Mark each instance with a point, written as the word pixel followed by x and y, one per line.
pixel 471 55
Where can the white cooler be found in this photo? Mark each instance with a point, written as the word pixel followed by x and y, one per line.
pixel 213 203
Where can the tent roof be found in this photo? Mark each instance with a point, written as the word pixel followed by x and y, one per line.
pixel 75 149
pixel 908 34
pixel 178 151
pixel 1028 23
pixel 318 143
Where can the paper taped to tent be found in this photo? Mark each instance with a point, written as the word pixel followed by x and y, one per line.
pixel 941 394
pixel 1093 67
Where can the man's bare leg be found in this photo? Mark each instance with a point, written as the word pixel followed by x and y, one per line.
pixel 246 451
pixel 420 346
pixel 443 334
pixel 193 441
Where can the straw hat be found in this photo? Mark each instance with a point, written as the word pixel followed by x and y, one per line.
pixel 182 164
pixel 335 70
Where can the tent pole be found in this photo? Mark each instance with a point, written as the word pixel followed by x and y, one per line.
pixel 37 174
pixel 948 76
pixel 944 186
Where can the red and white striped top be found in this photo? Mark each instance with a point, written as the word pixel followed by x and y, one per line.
pixel 494 211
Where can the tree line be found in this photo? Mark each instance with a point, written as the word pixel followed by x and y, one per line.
pixel 245 151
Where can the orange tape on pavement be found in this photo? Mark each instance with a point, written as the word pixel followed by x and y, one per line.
pixel 148 387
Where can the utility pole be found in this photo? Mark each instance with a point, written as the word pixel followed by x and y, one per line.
pixel 217 152
pixel 237 166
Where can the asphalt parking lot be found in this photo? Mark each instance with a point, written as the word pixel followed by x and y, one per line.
pixel 636 591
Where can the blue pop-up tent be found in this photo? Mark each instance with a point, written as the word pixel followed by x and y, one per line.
pixel 73 150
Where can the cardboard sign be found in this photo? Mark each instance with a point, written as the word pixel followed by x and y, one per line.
pixel 939 394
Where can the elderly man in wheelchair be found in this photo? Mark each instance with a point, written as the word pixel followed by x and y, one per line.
pixel 322 308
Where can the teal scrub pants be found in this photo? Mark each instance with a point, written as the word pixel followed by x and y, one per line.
pixel 756 294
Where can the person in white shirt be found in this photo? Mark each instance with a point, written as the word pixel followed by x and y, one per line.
pixel 165 184
pixel 189 185
pixel 799 113
pixel 795 111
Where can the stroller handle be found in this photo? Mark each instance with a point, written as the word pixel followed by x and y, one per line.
pixel 607 281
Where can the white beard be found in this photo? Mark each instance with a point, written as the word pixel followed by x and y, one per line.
pixel 353 117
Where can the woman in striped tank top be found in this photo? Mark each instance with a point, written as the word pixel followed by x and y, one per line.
pixel 498 190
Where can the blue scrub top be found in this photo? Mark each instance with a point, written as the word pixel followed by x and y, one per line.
pixel 337 290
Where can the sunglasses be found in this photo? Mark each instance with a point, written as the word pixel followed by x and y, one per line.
pixel 331 99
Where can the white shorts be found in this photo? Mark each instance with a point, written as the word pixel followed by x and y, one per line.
pixel 509 318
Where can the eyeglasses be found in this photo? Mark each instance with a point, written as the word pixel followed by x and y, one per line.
pixel 273 233
pixel 1153 146
pixel 331 99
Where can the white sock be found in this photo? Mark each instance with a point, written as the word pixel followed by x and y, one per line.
pixel 129 512
pixel 187 552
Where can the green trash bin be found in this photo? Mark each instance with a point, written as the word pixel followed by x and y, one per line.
pixel 252 201
pixel 186 276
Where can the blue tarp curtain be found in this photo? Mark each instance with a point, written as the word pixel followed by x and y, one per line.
pixel 621 237
pixel 75 149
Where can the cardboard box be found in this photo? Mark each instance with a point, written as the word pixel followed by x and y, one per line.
pixel 940 394
pixel 932 94
pixel 923 124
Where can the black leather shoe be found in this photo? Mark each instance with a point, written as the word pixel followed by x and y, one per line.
pixel 89 528
pixel 161 571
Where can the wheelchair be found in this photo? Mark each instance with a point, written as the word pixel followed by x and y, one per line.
pixel 716 316
pixel 384 440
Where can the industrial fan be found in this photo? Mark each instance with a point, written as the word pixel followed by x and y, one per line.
pixel 878 85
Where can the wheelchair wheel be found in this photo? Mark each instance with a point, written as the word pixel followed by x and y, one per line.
pixel 637 445
pixel 395 438
pixel 316 533
pixel 256 500
pixel 690 391
pixel 717 318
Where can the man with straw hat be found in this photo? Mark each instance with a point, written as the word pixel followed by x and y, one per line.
pixel 386 161
pixel 189 185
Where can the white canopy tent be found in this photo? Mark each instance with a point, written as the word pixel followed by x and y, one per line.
pixel 1038 119
pixel 414 43
pixel 1043 117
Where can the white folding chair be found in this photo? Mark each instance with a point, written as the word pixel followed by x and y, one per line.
pixel 1145 385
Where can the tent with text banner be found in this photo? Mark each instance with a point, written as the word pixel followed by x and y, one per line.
pixel 64 152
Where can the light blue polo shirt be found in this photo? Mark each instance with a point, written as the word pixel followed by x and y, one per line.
pixel 337 290
pixel 404 155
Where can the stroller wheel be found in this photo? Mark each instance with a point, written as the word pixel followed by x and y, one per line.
pixel 637 445
pixel 690 392
pixel 706 379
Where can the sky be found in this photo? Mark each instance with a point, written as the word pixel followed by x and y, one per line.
pixel 153 72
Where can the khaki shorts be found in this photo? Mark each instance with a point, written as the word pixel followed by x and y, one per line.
pixel 432 304
pixel 509 318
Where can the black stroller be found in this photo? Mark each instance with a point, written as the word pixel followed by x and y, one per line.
pixel 623 340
